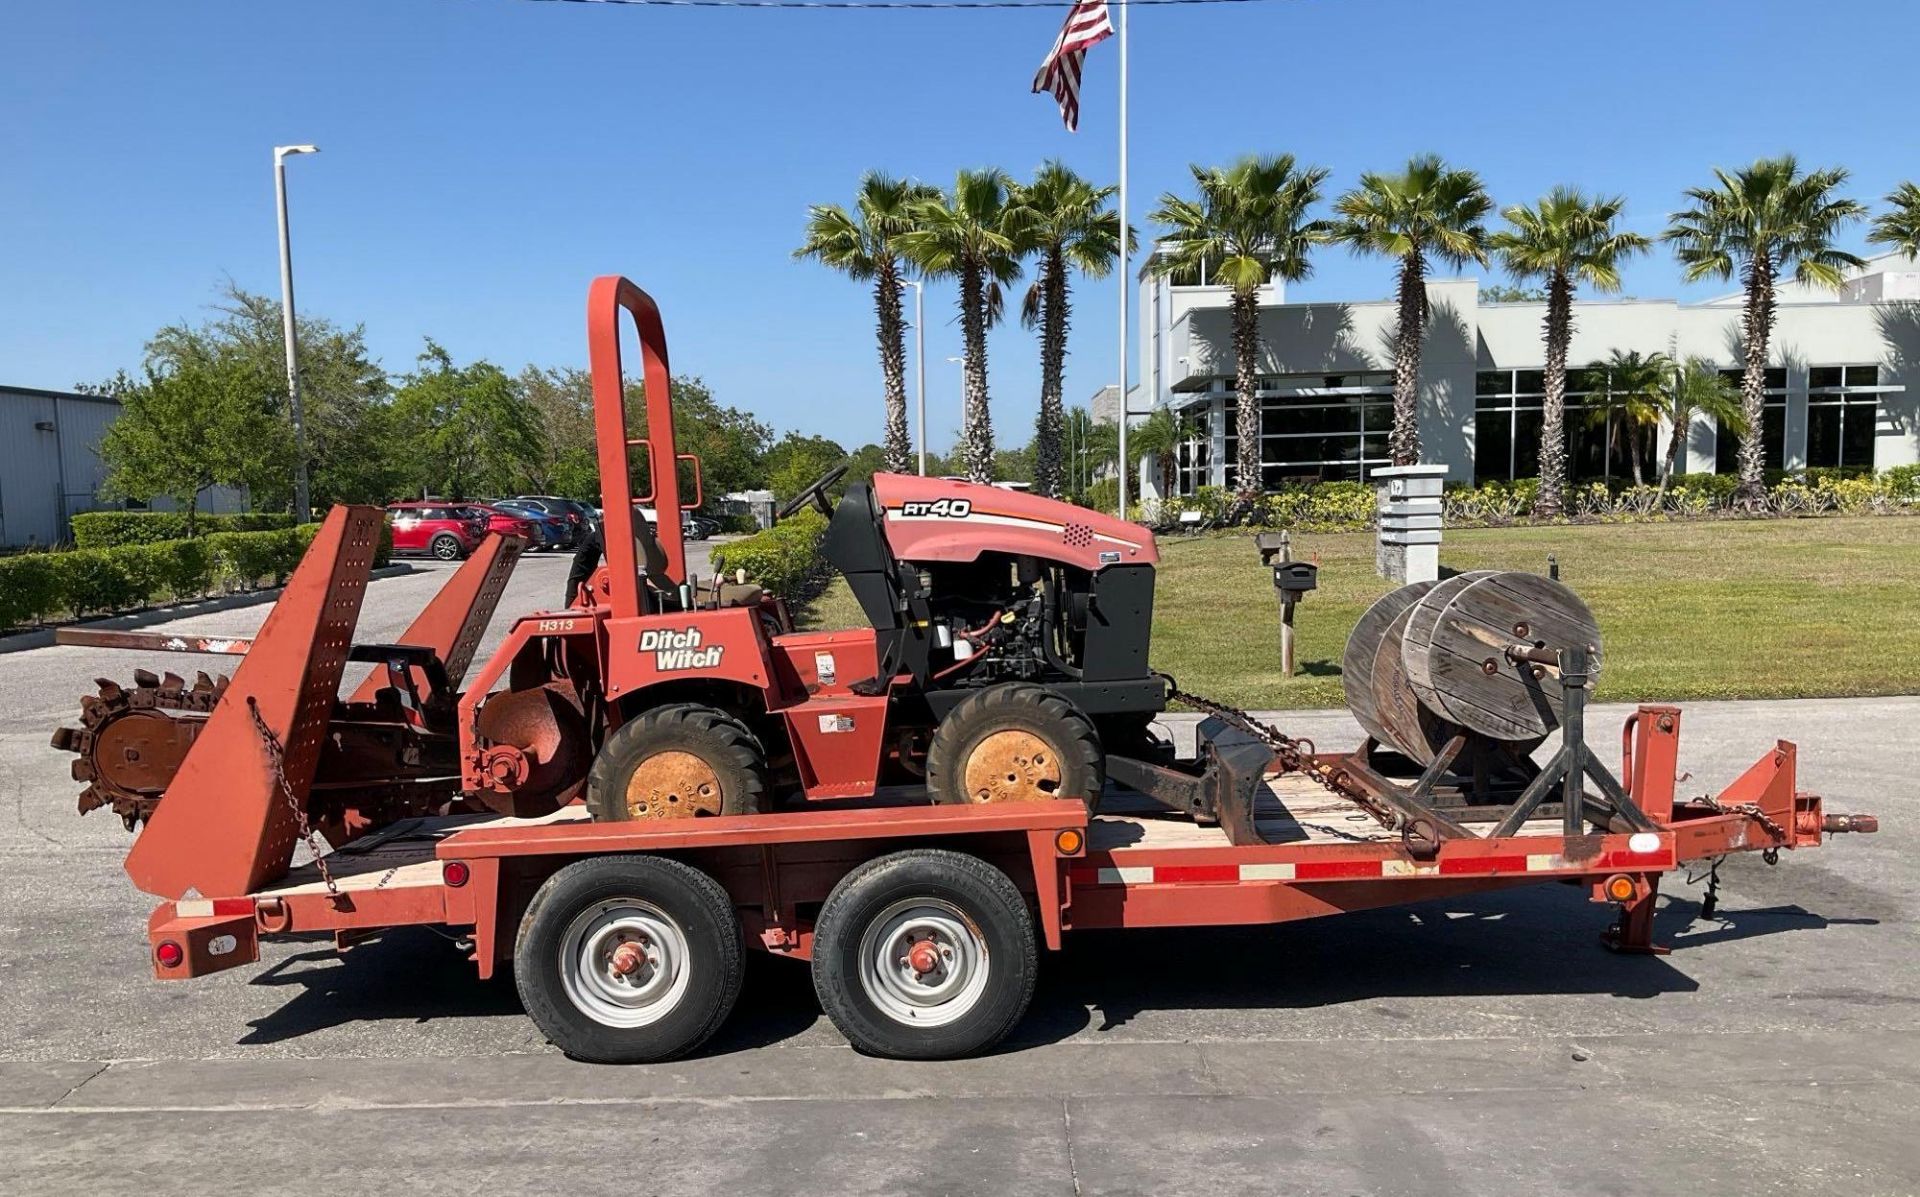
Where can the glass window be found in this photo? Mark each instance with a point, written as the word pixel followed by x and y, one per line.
pixel 1863 376
pixel 1773 441
pixel 1530 382
pixel 1526 444
pixel 1493 446
pixel 1492 382
pixel 1820 377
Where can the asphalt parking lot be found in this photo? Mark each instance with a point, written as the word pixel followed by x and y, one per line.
pixel 1486 1044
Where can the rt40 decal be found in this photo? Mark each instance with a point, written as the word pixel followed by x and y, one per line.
pixel 938 509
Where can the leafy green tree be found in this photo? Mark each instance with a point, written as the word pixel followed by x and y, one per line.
pixel 1566 239
pixel 1899 227
pixel 464 431
pixel 197 424
pixel 974 236
pixel 1762 220
pixel 860 245
pixel 731 444
pixel 562 401
pixel 1428 210
pixel 865 462
pixel 1016 465
pixel 1248 225
pixel 1696 388
pixel 1091 448
pixel 344 392
pixel 1071 228
pixel 796 460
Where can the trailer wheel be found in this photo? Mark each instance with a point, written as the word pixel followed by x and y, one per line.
pixel 1015 742
pixel 924 955
pixel 628 959
pixel 678 761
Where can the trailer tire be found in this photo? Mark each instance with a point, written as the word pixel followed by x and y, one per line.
pixel 976 935
pixel 1042 747
pixel 705 762
pixel 685 971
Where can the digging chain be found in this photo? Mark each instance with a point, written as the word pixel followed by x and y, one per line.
pixel 277 759
pixel 1295 755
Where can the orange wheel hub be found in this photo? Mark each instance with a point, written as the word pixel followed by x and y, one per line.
pixel 1012 766
pixel 673 785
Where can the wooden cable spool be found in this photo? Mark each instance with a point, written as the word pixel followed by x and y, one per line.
pixel 1375 680
pixel 1418 640
pixel 1455 651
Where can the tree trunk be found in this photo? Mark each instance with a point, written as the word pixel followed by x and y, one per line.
pixel 976 434
pixel 1246 365
pixel 1753 381
pixel 1403 445
pixel 1633 453
pixel 896 448
pixel 1681 418
pixel 1552 500
pixel 1049 428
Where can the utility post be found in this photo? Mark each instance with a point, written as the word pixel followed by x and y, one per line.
pixel 302 508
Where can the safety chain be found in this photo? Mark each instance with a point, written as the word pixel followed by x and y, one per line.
pixel 1750 809
pixel 277 759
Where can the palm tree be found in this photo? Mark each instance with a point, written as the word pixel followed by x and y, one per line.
pixel 860 246
pixel 1900 228
pixel 1566 239
pixel 1630 402
pixel 1428 209
pixel 975 235
pixel 1159 434
pixel 1696 387
pixel 1247 227
pixel 1072 228
pixel 1761 221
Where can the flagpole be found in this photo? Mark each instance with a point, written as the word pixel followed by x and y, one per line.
pixel 1124 262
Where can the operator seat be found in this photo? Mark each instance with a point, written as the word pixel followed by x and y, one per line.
pixel 887 589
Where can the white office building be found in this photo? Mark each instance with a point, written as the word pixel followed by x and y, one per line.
pixel 1843 387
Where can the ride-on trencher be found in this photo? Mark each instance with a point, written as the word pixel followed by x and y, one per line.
pixel 546 810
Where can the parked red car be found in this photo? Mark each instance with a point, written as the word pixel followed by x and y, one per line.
pixel 508 523
pixel 448 531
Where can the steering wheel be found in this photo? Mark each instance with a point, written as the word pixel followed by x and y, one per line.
pixel 815 493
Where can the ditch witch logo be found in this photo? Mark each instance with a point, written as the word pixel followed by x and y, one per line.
pixel 679 649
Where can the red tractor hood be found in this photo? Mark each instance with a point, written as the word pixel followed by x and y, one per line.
pixel 933 519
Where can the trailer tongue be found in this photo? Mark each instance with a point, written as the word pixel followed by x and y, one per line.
pixel 541 811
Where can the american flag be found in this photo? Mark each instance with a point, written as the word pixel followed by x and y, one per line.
pixel 1087 26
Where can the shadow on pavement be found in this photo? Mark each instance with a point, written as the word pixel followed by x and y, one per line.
pixel 1528 942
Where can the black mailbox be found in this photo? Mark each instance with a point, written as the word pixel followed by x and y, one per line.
pixel 1295 577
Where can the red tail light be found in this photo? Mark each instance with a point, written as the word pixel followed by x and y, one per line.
pixel 169 954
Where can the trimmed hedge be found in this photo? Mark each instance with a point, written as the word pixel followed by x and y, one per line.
pixel 1349 506
pixel 110 529
pixel 44 585
pixel 786 559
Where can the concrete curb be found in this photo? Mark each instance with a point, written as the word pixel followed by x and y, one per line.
pixel 20 642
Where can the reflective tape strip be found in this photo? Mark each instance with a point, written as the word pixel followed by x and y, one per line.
pixel 1266 872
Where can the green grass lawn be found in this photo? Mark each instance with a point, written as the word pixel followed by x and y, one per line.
pixel 1712 609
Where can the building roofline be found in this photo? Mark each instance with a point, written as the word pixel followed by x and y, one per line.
pixel 43 393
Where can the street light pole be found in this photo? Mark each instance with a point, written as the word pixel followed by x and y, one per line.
pixel 302 509
pixel 920 361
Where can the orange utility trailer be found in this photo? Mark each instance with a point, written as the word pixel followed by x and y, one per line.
pixel 922 923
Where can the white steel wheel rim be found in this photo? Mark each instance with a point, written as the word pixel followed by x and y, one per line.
pixel 943 937
pixel 660 963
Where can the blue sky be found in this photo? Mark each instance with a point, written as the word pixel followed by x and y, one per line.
pixel 484 158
